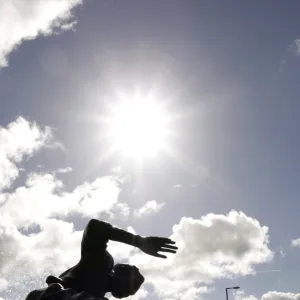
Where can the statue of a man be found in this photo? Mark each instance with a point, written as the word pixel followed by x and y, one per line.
pixel 95 274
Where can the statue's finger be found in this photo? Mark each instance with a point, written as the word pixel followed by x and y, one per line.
pixel 166 241
pixel 171 247
pixel 160 255
pixel 167 250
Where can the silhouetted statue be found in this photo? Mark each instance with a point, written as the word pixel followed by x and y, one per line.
pixel 56 291
pixel 96 274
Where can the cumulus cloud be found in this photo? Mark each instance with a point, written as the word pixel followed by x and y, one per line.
pixel 192 293
pixel 149 208
pixel 26 260
pixel 43 197
pixel 122 209
pixel 28 19
pixel 215 246
pixel 282 252
pixel 3 284
pixel 272 295
pixel 64 170
pixel 178 186
pixel 292 51
pixel 19 139
pixel 34 253
pixel 295 243
pixel 241 295
pixel 295 46
pixel 141 294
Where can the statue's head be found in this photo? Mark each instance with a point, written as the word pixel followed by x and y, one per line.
pixel 125 280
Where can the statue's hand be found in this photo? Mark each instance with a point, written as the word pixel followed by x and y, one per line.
pixel 153 244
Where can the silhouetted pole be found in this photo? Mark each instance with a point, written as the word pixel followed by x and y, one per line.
pixel 231 288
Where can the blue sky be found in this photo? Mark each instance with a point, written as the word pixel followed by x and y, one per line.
pixel 229 73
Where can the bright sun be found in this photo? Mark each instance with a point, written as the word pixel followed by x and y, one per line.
pixel 138 128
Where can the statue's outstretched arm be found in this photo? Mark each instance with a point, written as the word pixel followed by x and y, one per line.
pixel 99 232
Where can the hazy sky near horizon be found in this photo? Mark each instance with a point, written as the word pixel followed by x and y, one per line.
pixel 226 185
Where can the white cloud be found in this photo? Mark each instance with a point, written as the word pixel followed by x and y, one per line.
pixel 273 295
pixel 192 293
pixel 178 186
pixel 28 19
pixel 241 295
pixel 43 197
pixel 141 294
pixel 21 138
pixel 215 246
pixel 282 252
pixel 3 284
pixel 26 260
pixel 99 196
pixel 122 209
pixel 64 170
pixel 117 170
pixel 56 241
pixel 295 243
pixel 295 46
pixel 149 208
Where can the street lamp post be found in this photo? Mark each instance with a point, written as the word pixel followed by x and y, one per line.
pixel 231 288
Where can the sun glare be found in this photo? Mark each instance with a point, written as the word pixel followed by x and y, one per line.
pixel 138 128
